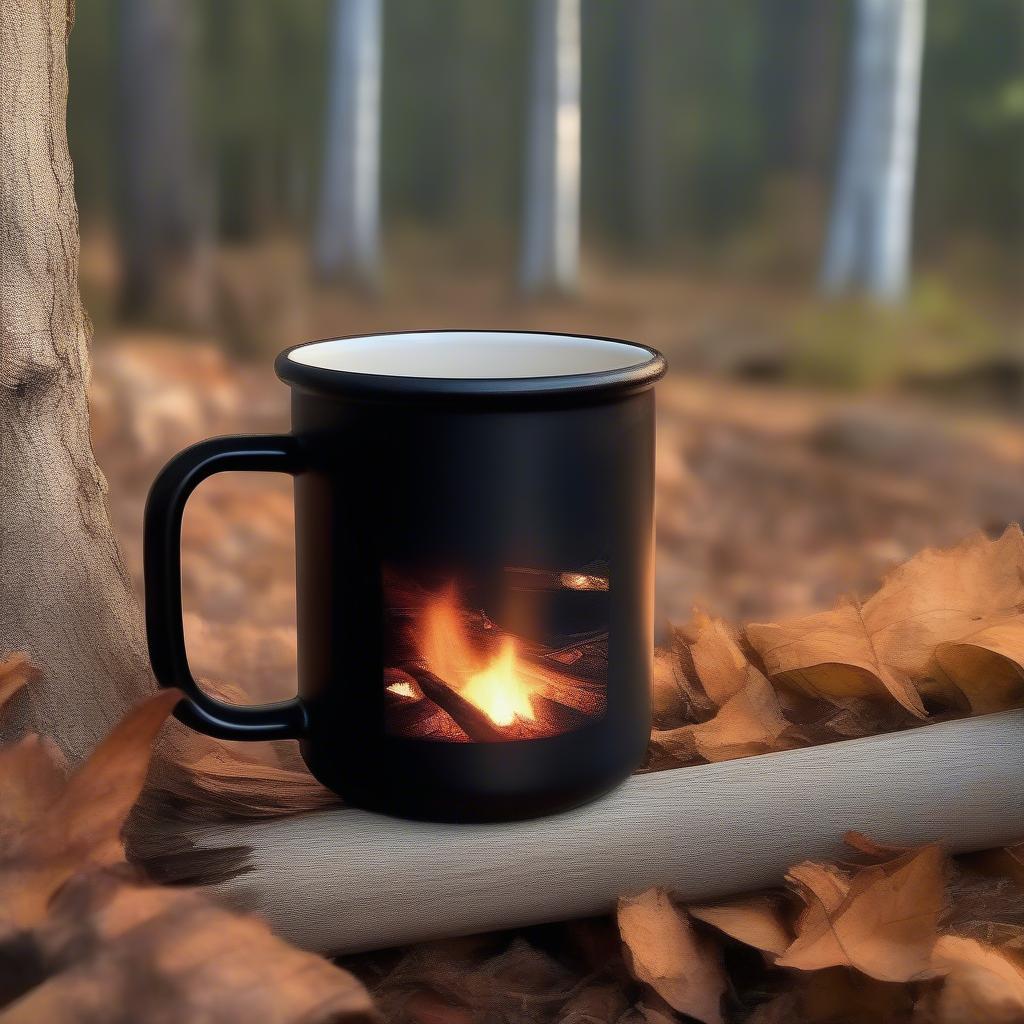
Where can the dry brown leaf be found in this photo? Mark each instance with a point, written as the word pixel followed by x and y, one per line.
pixel 170 954
pixel 15 672
pixel 672 747
pixel 32 777
pixel 750 722
pixel 872 847
pixel 79 824
pixel 678 695
pixel 885 925
pixel 949 621
pixel 833 654
pixel 823 888
pixel 954 597
pixel 845 718
pixel 663 951
pixel 79 936
pixel 986 667
pixel 670 701
pixel 720 665
pixel 981 985
pixel 758 920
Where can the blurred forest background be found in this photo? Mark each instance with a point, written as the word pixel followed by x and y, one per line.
pixel 815 209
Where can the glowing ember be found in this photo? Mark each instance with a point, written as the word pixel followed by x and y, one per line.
pixel 499 691
pixel 402 689
pixel 581 581
pixel 495 687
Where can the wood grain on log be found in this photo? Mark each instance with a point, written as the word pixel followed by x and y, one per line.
pixel 346 880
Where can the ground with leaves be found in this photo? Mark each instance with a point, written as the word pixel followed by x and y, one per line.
pixel 84 937
pixel 771 506
pixel 771 502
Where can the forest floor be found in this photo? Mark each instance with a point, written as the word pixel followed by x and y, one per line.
pixel 772 500
pixel 776 496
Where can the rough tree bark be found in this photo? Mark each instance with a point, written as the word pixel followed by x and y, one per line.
pixel 65 595
pixel 64 589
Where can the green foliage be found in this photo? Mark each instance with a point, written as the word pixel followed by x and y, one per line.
pixel 859 346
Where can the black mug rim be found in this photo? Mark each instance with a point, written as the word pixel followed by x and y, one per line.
pixel 625 380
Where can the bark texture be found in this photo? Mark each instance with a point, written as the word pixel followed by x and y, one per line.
pixel 64 589
pixel 66 598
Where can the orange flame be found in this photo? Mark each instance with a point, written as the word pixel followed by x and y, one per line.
pixel 496 687
pixel 499 691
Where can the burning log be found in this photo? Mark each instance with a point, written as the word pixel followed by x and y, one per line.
pixel 343 880
pixel 469 718
pixel 550 716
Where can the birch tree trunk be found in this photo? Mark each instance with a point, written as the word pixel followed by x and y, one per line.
pixel 163 218
pixel 347 236
pixel 868 244
pixel 550 248
pixel 888 260
pixel 65 594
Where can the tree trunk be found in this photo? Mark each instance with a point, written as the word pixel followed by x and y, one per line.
pixel 65 593
pixel 639 204
pixel 889 258
pixel 162 206
pixel 550 254
pixel 868 243
pixel 346 243
pixel 846 242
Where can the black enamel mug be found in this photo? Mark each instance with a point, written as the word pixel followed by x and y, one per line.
pixel 474 557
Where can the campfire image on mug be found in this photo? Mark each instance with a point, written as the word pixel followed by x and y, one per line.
pixel 523 658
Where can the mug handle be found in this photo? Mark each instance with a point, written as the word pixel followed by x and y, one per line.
pixel 271 453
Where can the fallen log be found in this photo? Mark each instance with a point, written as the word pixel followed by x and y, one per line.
pixel 344 880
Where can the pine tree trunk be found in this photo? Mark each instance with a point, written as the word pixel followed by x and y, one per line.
pixel 65 594
pixel 346 242
pixel 640 200
pixel 163 213
pixel 550 254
